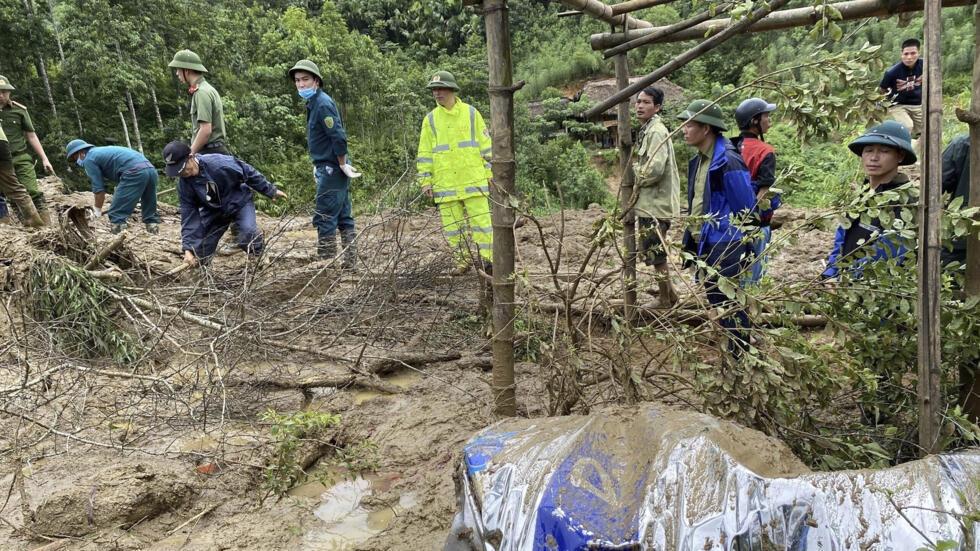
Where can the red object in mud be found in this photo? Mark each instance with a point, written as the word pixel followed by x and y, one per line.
pixel 207 468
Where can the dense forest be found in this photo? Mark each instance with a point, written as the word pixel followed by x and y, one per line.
pixel 97 69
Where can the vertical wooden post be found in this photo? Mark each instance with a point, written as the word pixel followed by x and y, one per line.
pixel 969 396
pixel 626 190
pixel 502 193
pixel 930 379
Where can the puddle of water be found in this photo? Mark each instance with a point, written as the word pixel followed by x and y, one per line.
pixel 402 379
pixel 344 522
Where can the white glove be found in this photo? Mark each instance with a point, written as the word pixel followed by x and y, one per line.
pixel 314 173
pixel 96 212
pixel 350 171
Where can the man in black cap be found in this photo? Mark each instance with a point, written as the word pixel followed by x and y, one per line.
pixel 214 191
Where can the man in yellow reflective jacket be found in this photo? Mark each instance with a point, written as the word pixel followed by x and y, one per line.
pixel 454 170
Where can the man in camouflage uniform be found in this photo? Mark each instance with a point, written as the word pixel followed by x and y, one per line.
pixel 17 125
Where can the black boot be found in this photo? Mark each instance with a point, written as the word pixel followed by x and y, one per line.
pixel 347 241
pixel 326 247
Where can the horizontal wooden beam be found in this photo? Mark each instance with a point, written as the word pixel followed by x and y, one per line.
pixel 684 58
pixel 797 17
pixel 663 32
pixel 603 12
pixel 634 5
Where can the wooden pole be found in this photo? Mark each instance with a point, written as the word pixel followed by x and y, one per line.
pixel 604 13
pixel 502 192
pixel 662 32
pixel 930 379
pixel 634 5
pixel 797 17
pixel 626 191
pixel 683 59
pixel 969 395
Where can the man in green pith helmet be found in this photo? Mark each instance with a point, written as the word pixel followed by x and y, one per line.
pixel 17 125
pixel 453 167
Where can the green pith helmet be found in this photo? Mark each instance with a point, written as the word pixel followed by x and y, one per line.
pixel 712 114
pixel 76 146
pixel 307 66
pixel 890 133
pixel 443 79
pixel 186 59
pixel 5 83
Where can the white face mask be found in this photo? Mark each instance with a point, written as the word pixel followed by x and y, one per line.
pixel 80 161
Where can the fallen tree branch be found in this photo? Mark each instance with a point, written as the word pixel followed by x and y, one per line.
pixel 105 252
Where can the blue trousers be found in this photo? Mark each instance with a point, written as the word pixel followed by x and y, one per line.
pixel 216 223
pixel 333 206
pixel 3 207
pixel 758 253
pixel 729 259
pixel 137 185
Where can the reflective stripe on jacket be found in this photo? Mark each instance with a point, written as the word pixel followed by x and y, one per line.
pixel 454 153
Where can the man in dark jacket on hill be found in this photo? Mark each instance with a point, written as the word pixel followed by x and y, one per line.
pixel 214 191
pixel 720 189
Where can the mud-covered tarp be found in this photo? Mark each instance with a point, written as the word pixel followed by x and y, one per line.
pixel 656 478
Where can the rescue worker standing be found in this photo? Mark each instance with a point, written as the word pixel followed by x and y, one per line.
pixel 752 117
pixel 956 182
pixel 454 170
pixel 20 133
pixel 719 187
pixel 215 190
pixel 135 177
pixel 207 112
pixel 658 201
pixel 13 189
pixel 327 143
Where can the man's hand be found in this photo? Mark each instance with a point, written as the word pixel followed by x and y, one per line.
pixel 427 190
pixel 47 167
pixel 279 194
pixel 190 259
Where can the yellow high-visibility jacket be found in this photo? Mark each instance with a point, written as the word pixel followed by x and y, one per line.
pixel 454 153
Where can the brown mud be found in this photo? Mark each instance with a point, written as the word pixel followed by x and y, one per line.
pixel 170 451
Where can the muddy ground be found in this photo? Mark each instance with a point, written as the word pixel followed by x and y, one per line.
pixel 169 450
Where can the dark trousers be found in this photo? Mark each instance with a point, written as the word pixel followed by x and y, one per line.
pixel 729 259
pixel 333 205
pixel 216 223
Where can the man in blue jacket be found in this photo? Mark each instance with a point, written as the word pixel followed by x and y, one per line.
pixel 882 149
pixel 719 190
pixel 135 177
pixel 214 191
pixel 327 142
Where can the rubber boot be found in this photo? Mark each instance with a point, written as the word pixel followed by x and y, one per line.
pixel 668 296
pixel 28 212
pixel 326 247
pixel 347 241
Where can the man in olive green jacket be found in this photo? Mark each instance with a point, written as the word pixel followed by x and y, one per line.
pixel 19 128
pixel 658 199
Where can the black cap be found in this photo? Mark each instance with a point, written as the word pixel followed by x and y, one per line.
pixel 175 154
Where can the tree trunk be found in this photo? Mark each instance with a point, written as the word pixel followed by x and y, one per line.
pixel 930 375
pixel 796 17
pixel 41 67
pixel 64 66
pixel 122 118
pixel 626 191
pixel 502 192
pixel 156 109
pixel 969 395
pixel 136 124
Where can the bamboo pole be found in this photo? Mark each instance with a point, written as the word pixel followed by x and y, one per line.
pixel 662 32
pixel 684 58
pixel 930 401
pixel 797 17
pixel 634 5
pixel 969 396
pixel 626 192
pixel 502 192
pixel 604 13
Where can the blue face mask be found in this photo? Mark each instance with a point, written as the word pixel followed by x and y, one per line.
pixel 79 162
pixel 307 93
